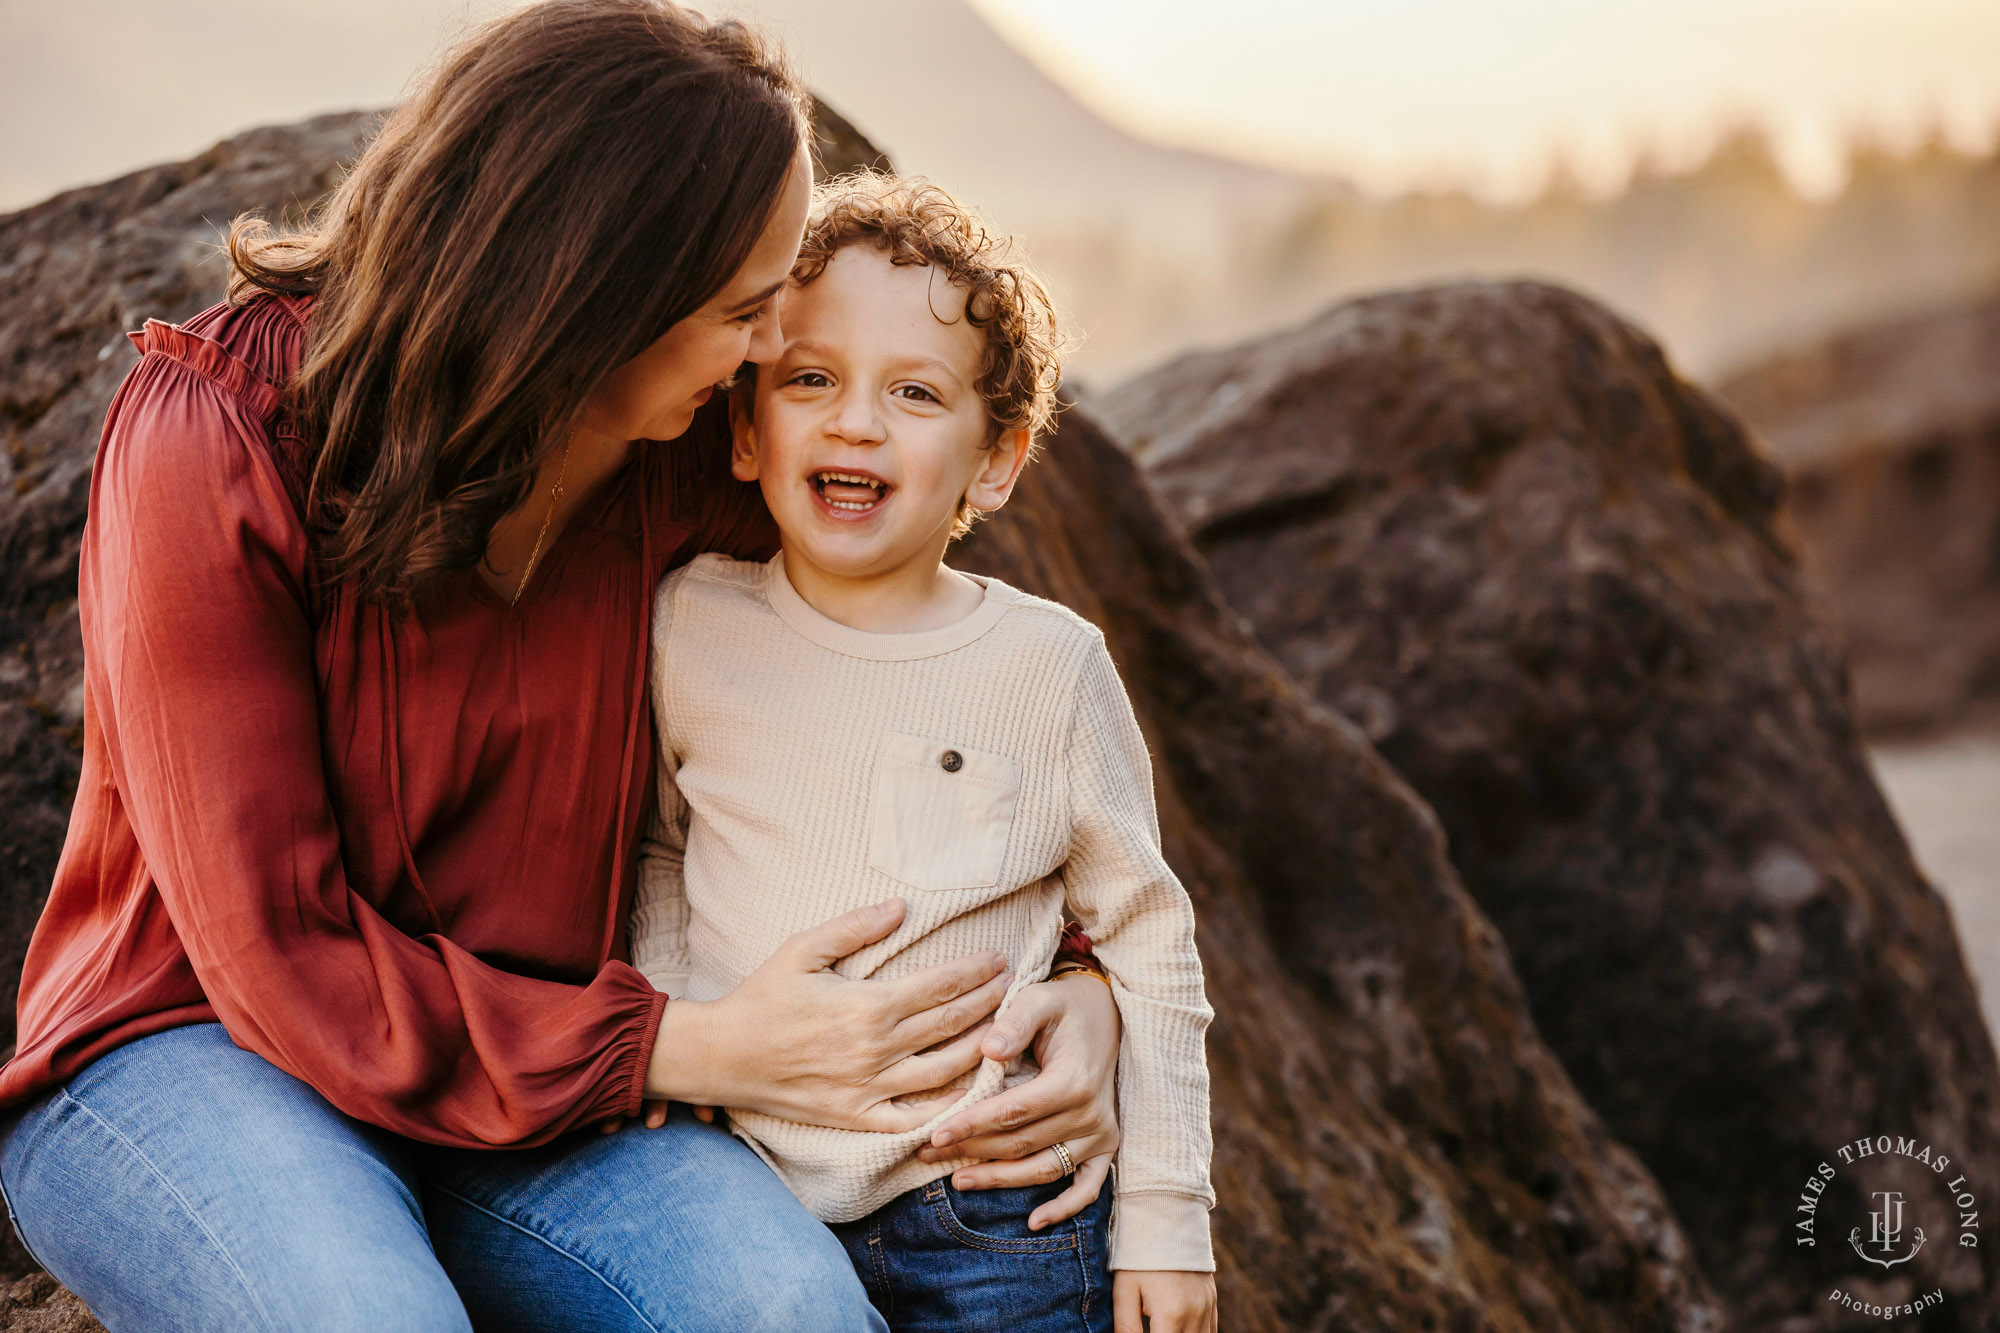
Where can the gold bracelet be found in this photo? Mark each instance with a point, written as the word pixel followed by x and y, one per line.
pixel 1070 969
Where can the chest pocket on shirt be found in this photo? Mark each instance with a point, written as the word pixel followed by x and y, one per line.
pixel 941 813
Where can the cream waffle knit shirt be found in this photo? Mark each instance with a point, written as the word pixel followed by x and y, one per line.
pixel 986 773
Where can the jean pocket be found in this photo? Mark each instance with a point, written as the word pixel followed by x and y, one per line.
pixel 940 814
pixel 998 1219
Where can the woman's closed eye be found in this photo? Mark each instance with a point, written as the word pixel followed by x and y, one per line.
pixel 752 315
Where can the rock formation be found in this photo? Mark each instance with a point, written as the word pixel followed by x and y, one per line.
pixel 1396 1148
pixel 1890 439
pixel 1490 525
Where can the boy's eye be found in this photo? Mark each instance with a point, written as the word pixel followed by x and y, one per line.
pixel 809 379
pixel 917 392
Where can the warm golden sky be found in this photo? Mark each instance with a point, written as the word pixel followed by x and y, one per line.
pixel 1482 90
pixel 1389 92
pixel 1397 91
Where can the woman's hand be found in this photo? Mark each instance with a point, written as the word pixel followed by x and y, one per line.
pixel 1073 1025
pixel 799 1041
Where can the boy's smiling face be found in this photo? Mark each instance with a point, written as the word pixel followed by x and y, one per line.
pixel 869 426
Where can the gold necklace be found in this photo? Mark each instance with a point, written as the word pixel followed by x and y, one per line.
pixel 555 493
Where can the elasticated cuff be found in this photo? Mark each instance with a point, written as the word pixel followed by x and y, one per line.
pixel 635 1092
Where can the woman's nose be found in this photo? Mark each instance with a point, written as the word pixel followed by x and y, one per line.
pixel 767 336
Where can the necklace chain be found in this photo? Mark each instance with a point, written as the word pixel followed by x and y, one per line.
pixel 555 493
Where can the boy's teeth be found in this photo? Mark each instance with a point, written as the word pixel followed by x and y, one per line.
pixel 848 478
pixel 847 483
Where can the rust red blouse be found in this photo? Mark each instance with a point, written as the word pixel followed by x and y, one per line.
pixel 393 855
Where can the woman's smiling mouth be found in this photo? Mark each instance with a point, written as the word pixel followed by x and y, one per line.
pixel 849 494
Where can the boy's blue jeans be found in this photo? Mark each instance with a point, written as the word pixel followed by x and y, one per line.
pixel 180 1182
pixel 941 1260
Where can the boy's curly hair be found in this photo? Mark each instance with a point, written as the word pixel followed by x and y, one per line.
pixel 916 222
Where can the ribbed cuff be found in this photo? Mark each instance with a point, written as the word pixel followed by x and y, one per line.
pixel 1160 1232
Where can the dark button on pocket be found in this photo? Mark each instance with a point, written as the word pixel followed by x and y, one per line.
pixel 952 761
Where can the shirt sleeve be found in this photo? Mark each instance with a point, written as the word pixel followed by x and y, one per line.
pixel 1142 924
pixel 660 908
pixel 200 652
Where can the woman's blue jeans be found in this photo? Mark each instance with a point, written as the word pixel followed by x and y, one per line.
pixel 180 1182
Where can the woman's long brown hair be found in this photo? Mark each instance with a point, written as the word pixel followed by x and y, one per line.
pixel 571 181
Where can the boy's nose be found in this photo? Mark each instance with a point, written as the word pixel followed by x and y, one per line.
pixel 856 420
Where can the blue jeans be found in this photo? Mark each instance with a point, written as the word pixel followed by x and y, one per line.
pixel 179 1182
pixel 941 1260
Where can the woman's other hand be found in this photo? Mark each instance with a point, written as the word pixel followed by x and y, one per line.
pixel 1072 1023
pixel 800 1041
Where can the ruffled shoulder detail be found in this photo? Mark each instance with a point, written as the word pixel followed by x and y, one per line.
pixel 213 362
pixel 250 352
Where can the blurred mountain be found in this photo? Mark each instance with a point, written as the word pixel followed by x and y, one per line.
pixel 1155 249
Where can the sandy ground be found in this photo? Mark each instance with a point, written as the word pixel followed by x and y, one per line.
pixel 1946 792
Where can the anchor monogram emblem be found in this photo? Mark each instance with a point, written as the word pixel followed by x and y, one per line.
pixel 1885 1230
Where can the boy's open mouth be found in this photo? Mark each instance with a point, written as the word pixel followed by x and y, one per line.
pixel 850 492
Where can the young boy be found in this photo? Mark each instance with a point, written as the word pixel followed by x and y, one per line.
pixel 855 720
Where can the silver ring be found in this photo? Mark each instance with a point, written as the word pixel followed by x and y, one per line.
pixel 1063 1158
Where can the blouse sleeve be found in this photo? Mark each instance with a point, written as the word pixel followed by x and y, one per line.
pixel 199 651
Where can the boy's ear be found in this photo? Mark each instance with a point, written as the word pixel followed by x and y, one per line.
pixel 742 440
pixel 994 481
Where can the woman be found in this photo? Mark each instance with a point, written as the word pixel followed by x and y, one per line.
pixel 332 969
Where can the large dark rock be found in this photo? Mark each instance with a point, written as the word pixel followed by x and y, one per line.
pixel 1490 525
pixel 1890 438
pixel 1396 1149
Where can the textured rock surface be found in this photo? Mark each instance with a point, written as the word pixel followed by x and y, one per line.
pixel 1490 525
pixel 1396 1148
pixel 1890 438
pixel 38 1303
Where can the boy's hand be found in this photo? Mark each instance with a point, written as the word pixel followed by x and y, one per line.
pixel 1171 1302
